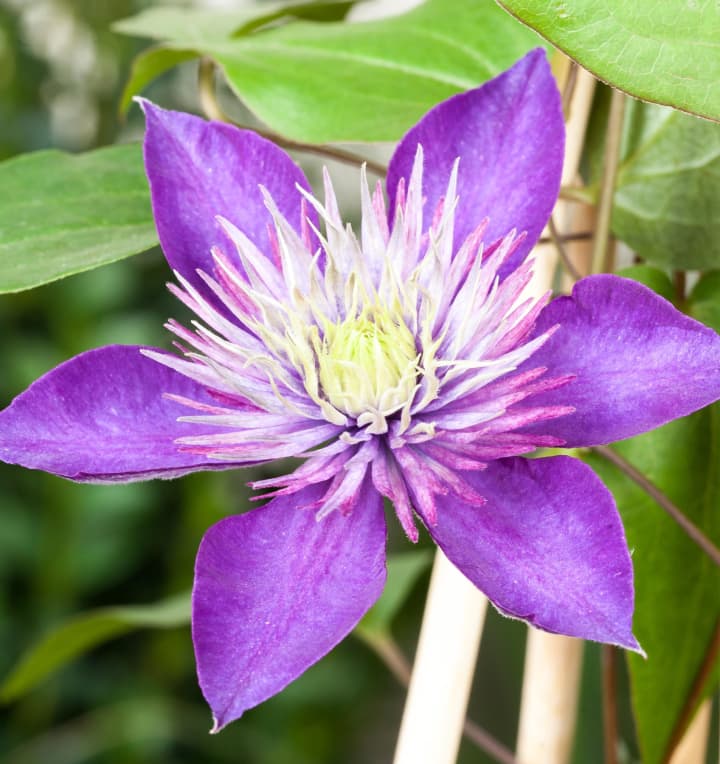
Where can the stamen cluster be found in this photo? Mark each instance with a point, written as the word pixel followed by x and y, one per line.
pixel 333 341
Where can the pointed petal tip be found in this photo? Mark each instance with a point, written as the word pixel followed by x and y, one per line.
pixel 633 646
pixel 220 722
pixel 607 323
pixel 150 110
pixel 615 635
pixel 104 417
pixel 526 131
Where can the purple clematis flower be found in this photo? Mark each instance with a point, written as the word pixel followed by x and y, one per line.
pixel 402 363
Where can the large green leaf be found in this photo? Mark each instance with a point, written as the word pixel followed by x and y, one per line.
pixel 61 214
pixel 196 27
pixel 676 584
pixel 668 188
pixel 185 31
pixel 370 81
pixel 666 51
pixel 86 631
pixel 148 66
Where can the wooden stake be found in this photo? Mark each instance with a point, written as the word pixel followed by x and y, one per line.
pixel 549 698
pixel 437 698
pixel 551 679
pixel 455 609
pixel 692 748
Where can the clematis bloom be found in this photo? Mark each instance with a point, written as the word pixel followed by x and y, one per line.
pixel 404 362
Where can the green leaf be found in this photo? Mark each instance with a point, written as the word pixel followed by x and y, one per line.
pixel 195 27
pixel 653 278
pixel 705 300
pixel 149 65
pixel 86 631
pixel 668 188
pixel 666 51
pixel 370 81
pixel 403 572
pixel 61 214
pixel 676 584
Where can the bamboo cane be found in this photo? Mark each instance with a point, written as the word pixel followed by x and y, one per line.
pixel 454 612
pixel 437 698
pixel 551 678
pixel 692 748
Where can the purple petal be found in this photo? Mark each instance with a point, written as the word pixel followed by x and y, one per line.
pixel 547 547
pixel 102 417
pixel 639 362
pixel 199 170
pixel 510 137
pixel 276 589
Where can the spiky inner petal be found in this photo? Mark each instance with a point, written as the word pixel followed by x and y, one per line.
pixel 393 336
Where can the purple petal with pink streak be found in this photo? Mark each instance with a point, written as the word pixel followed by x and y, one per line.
pixel 102 417
pixel 637 361
pixel 510 137
pixel 276 589
pixel 200 170
pixel 547 547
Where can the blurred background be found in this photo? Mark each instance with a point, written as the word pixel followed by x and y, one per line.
pixel 67 548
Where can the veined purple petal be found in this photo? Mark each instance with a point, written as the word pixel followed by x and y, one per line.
pixel 276 589
pixel 199 170
pixel 547 547
pixel 639 362
pixel 509 135
pixel 102 417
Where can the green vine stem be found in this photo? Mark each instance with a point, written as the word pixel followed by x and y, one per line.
pixel 601 260
pixel 662 500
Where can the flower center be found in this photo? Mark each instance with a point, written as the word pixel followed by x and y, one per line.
pixel 368 363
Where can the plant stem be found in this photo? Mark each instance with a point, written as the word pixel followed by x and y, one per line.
pixel 609 696
pixel 660 498
pixel 389 652
pixel 442 675
pixel 576 193
pixel 488 743
pixel 566 238
pixel 206 91
pixel 212 109
pixel 323 150
pixel 569 88
pixel 680 285
pixel 559 242
pixel 600 258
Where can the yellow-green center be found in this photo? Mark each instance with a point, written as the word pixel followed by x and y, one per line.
pixel 368 363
